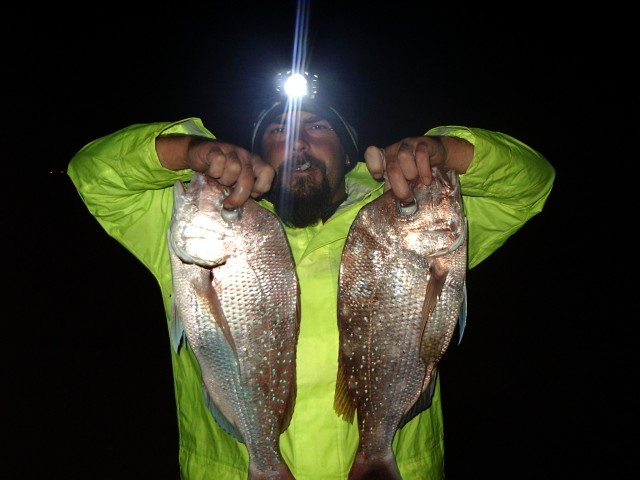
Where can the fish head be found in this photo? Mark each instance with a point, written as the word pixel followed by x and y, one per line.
pixel 434 223
pixel 201 230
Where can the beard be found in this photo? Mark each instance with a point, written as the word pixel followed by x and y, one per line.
pixel 301 200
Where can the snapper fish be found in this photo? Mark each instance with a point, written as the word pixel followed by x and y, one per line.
pixel 235 305
pixel 402 291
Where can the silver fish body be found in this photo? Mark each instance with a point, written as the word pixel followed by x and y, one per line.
pixel 402 288
pixel 236 302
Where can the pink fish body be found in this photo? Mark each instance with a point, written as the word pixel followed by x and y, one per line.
pixel 236 304
pixel 402 288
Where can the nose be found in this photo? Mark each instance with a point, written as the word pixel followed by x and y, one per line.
pixel 299 142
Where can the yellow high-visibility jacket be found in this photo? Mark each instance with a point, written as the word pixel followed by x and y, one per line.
pixel 123 184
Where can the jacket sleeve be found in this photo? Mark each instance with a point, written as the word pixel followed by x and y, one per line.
pixel 506 184
pixel 121 181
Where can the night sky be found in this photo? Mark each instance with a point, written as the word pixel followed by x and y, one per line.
pixel 538 387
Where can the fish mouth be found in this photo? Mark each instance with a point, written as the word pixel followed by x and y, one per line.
pixel 190 256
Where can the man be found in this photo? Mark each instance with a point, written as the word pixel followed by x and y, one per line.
pixel 304 165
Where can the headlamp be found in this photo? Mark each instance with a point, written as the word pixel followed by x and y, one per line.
pixel 297 84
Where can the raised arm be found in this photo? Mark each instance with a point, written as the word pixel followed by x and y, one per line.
pixel 126 178
pixel 504 182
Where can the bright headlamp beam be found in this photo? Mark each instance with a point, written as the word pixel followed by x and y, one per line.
pixel 296 86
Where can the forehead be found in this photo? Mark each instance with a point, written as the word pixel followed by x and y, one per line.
pixel 300 116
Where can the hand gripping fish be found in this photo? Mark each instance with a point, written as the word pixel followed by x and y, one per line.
pixel 236 301
pixel 402 290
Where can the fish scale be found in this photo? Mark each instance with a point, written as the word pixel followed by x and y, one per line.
pixel 401 290
pixel 235 305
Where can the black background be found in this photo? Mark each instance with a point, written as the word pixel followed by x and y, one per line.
pixel 540 385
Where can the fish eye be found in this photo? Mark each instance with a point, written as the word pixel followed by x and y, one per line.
pixel 407 208
pixel 231 214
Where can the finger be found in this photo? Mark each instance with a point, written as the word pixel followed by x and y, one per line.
pixel 215 161
pixel 406 160
pixel 398 182
pixel 263 175
pixel 374 157
pixel 232 169
pixel 242 188
pixel 423 162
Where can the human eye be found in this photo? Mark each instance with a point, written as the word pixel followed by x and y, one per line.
pixel 277 130
pixel 321 126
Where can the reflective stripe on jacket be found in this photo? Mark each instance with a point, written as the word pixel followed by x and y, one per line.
pixel 122 183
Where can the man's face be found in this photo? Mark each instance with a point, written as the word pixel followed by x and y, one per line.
pixel 309 161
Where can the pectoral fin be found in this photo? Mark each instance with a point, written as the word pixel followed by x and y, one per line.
pixel 211 301
pixel 437 277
